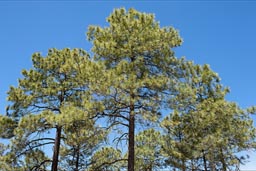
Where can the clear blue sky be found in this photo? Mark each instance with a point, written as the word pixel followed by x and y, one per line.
pixel 222 34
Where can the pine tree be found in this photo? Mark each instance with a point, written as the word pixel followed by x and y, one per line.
pixel 140 68
pixel 131 79
pixel 50 96
pixel 206 131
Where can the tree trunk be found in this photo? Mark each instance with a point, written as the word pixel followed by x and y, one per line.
pixel 77 159
pixel 131 152
pixel 224 166
pixel 55 157
pixel 205 162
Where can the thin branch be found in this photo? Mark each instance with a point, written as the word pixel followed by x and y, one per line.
pixel 119 139
pixel 115 115
pixel 39 165
pixel 31 148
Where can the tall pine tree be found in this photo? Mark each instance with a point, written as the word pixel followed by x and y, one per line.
pixel 140 66
pixel 51 96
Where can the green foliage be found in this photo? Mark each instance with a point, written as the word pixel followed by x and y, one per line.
pixel 132 78
pixel 51 80
pixel 50 96
pixel 106 159
pixel 36 160
pixel 132 34
pixel 148 150
pixel 81 139
pixel 7 126
pixel 206 130
pixel 140 66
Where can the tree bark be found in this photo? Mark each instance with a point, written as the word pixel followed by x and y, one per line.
pixel 77 159
pixel 55 158
pixel 205 163
pixel 131 152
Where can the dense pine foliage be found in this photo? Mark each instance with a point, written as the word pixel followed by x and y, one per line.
pixel 132 105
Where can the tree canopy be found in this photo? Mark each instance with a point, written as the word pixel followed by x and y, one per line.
pixel 129 105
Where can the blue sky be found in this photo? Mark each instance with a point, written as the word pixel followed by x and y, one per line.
pixel 221 34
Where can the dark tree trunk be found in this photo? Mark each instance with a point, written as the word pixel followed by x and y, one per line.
pixel 77 159
pixel 205 162
pixel 55 158
pixel 131 152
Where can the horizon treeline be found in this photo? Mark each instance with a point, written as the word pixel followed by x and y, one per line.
pixel 127 104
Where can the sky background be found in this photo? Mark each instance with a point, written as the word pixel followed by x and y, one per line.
pixel 221 34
